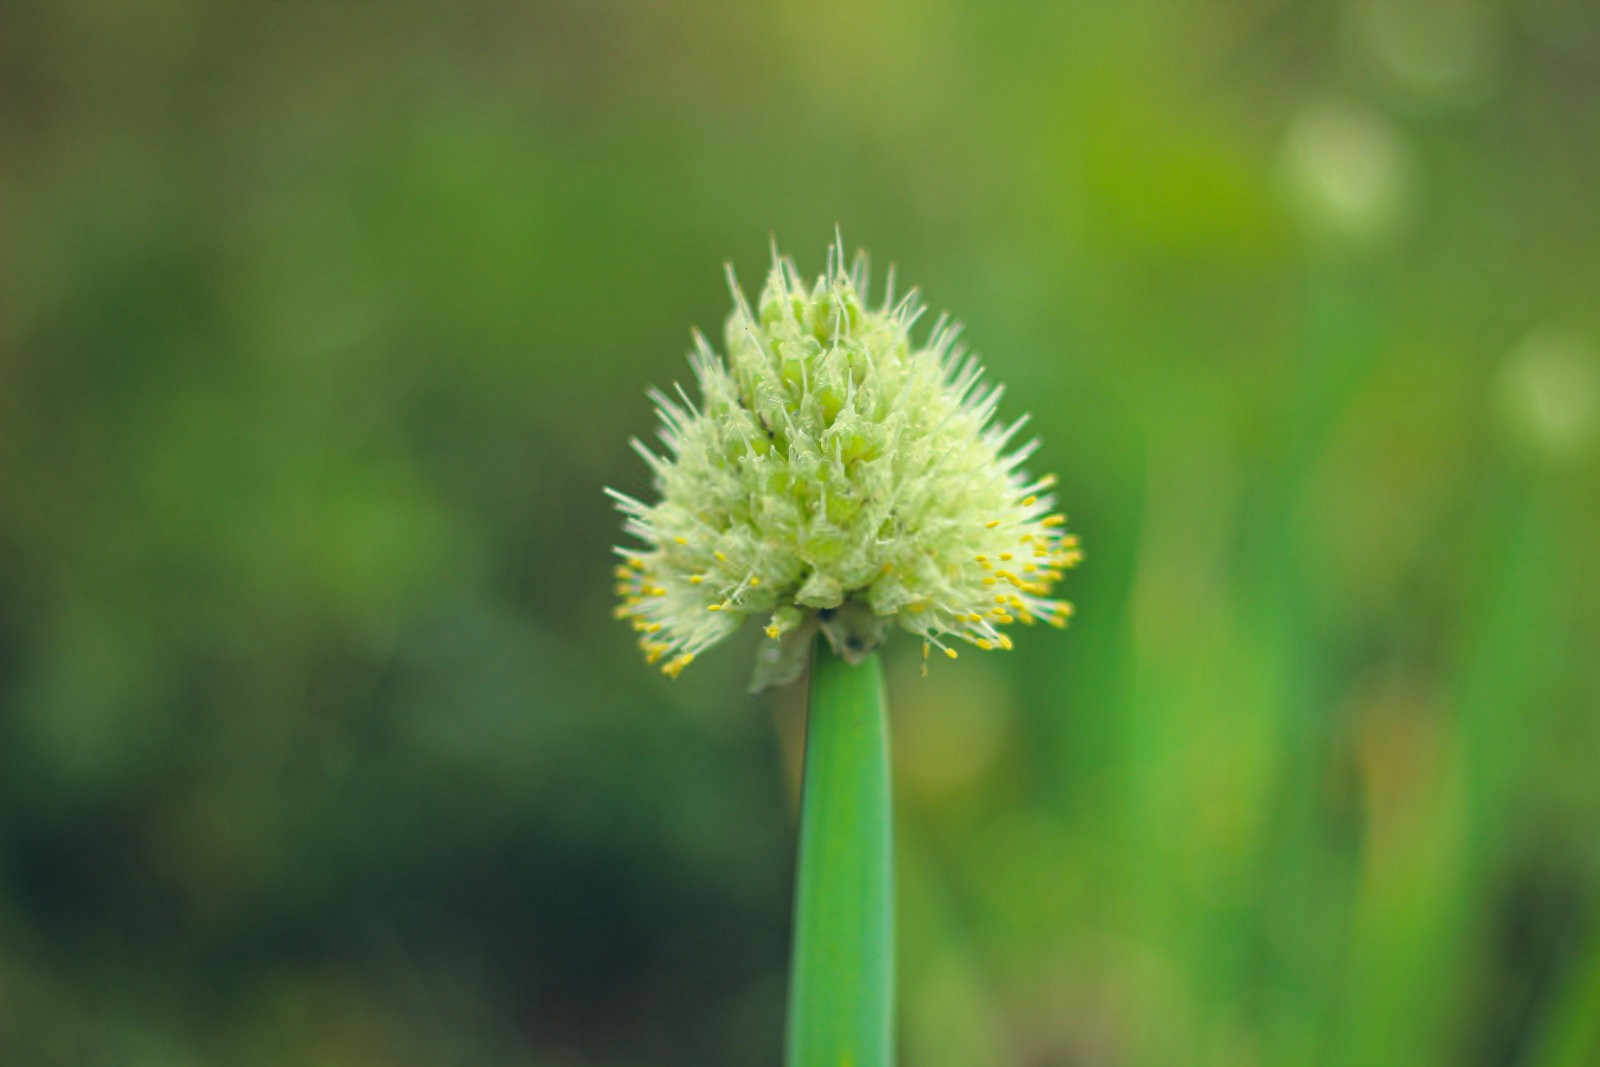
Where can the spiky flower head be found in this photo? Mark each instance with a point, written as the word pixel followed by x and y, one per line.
pixel 837 474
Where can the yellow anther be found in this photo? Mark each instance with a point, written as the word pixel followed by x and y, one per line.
pixel 1004 556
pixel 657 591
pixel 1000 598
pixel 981 558
pixel 991 524
pixel 622 572
pixel 714 607
pixel 984 643
pixel 636 563
pixel 675 667
pixel 681 540
pixel 1053 520
pixel 696 579
pixel 721 558
pixel 988 581
pixel 950 652
pixel 773 631
pixel 917 607
pixel 1005 641
pixel 974 617
pixel 1029 501
pixel 754 581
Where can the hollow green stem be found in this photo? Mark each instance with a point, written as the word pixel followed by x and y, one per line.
pixel 841 986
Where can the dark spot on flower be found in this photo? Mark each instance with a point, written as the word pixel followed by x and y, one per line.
pixel 825 614
pixel 854 643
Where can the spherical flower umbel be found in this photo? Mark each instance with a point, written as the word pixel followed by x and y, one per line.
pixel 837 474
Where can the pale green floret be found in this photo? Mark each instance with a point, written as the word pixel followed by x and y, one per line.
pixel 837 474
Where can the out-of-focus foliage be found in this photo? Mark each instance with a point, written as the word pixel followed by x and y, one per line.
pixel 323 324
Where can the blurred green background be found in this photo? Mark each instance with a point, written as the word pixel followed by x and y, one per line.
pixel 323 324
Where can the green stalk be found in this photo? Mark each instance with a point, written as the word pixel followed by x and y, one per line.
pixel 841 986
